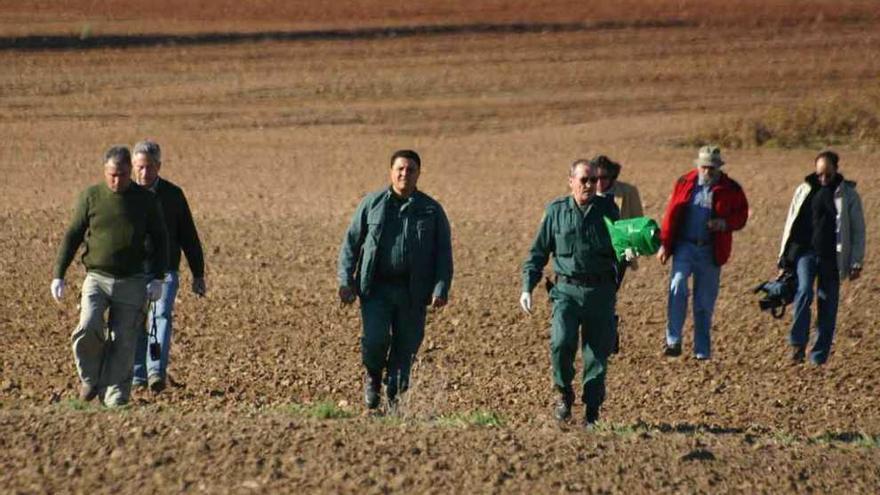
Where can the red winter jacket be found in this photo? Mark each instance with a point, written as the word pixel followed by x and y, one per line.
pixel 728 202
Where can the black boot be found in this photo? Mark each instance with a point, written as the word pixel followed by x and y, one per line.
pixel 563 405
pixel 372 385
pixel 591 416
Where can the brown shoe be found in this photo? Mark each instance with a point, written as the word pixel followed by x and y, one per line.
pixel 87 392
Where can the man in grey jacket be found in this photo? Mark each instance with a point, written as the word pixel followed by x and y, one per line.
pixel 397 257
pixel 824 239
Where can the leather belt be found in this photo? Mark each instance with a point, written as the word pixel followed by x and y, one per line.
pixel 698 242
pixel 590 280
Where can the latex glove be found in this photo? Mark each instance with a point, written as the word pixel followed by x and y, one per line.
pixel 346 295
pixel 154 290
pixel 629 255
pixel 57 289
pixel 525 300
pixel 199 287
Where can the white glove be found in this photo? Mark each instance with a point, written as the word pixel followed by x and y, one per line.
pixel 629 254
pixel 154 290
pixel 57 289
pixel 525 300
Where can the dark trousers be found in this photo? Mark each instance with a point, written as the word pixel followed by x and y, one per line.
pixel 393 329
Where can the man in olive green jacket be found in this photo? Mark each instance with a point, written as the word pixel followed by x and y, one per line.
pixel 113 219
pixel 573 231
pixel 397 257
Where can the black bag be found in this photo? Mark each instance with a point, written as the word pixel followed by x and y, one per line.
pixel 778 293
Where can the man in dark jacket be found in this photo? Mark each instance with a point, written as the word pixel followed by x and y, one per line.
pixel 182 236
pixel 397 257
pixel 705 208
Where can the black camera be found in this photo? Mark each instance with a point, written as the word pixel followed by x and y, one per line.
pixel 778 294
pixel 155 351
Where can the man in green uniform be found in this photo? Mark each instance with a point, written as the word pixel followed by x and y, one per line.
pixel 397 257
pixel 574 232
pixel 113 219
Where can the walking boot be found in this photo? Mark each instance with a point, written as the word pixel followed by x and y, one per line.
pixel 591 416
pixel 563 405
pixel 87 392
pixel 372 384
pixel 673 350
pixel 798 353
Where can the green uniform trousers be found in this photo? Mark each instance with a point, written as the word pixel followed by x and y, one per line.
pixel 394 326
pixel 586 313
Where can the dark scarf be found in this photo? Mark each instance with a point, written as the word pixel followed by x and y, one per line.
pixel 824 218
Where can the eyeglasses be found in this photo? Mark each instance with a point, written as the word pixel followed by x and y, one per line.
pixel 591 179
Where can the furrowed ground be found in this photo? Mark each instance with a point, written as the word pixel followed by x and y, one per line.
pixel 275 142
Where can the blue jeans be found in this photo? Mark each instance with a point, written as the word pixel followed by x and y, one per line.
pixel 809 268
pixel 161 313
pixel 690 259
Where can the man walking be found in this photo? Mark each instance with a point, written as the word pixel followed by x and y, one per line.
pixel 396 256
pixel 182 236
pixel 823 242
pixel 573 231
pixel 113 219
pixel 705 208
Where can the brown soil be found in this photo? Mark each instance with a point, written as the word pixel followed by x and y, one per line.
pixel 276 142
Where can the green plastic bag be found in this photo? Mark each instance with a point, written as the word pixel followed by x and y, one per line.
pixel 641 234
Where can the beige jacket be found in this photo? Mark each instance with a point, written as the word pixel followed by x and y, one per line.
pixel 850 225
pixel 627 199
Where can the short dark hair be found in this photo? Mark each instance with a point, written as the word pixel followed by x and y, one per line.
pixel 409 155
pixel 602 161
pixel 829 156
pixel 118 155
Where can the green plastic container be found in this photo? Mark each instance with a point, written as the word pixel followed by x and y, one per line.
pixel 641 234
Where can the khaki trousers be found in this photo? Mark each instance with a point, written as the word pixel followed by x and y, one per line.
pixel 104 353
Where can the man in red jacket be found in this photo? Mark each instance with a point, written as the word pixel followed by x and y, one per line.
pixel 705 208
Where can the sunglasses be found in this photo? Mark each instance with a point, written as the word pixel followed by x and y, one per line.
pixel 592 179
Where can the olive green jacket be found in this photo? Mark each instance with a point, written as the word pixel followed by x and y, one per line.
pixel 114 227
pixel 428 246
pixel 580 243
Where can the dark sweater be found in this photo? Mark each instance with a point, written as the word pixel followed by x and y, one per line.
pixel 114 227
pixel 815 227
pixel 182 234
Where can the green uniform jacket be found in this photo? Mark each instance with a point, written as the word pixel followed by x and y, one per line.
pixel 114 227
pixel 580 243
pixel 428 246
pixel 182 234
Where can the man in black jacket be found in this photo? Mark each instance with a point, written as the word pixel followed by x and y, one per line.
pixel 182 235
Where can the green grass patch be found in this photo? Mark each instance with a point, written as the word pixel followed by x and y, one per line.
pixel 472 418
pixel 318 410
pixel 816 123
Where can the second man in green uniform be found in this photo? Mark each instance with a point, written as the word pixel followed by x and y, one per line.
pixel 397 257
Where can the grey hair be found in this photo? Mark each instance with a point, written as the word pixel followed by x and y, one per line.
pixel 149 148
pixel 119 155
pixel 577 163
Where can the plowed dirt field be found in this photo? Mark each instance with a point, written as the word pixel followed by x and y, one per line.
pixel 276 141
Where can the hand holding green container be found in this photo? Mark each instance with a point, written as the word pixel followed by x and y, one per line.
pixel 639 235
